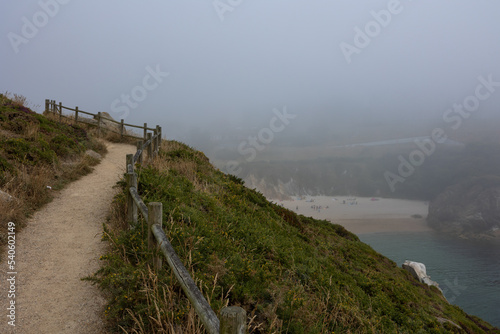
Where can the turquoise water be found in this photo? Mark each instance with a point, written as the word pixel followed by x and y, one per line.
pixel 467 271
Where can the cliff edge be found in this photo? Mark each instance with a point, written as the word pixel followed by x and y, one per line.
pixel 469 209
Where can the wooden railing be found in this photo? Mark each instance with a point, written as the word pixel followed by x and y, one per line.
pixel 57 109
pixel 233 318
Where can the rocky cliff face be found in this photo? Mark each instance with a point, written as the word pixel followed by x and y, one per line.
pixel 470 208
pixel 282 190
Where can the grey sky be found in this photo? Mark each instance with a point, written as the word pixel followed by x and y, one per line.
pixel 263 55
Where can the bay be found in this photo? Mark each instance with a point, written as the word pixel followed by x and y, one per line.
pixel 468 271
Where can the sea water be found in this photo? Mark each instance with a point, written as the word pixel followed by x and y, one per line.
pixel 468 271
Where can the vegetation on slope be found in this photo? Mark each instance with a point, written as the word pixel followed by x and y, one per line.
pixel 36 152
pixel 291 273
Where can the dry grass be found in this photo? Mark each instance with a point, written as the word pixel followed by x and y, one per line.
pixel 187 168
pixel 31 131
pixel 19 100
pixel 173 313
pixel 106 134
pixel 29 190
pixel 163 300
pixel 32 185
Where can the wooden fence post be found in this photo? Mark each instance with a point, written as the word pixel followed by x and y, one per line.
pixel 129 161
pixel 99 124
pixel 60 112
pixel 155 142
pixel 233 320
pixel 159 138
pixel 150 148
pixel 121 129
pixel 145 131
pixel 46 105
pixel 131 207
pixel 76 115
pixel 139 147
pixel 155 216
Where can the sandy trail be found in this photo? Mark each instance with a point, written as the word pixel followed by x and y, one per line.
pixel 60 245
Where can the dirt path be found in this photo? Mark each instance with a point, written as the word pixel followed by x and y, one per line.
pixel 60 245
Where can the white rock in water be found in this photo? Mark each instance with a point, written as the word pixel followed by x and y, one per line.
pixel 418 271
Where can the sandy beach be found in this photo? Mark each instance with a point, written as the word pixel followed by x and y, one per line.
pixel 362 215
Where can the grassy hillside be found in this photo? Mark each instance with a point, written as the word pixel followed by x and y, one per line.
pixel 36 152
pixel 292 274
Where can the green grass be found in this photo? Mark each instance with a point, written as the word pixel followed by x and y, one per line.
pixel 291 273
pixel 35 138
pixel 36 152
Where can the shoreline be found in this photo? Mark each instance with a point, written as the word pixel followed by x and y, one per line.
pixel 363 215
pixel 371 226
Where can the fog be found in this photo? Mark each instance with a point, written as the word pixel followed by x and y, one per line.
pixel 299 98
pixel 207 68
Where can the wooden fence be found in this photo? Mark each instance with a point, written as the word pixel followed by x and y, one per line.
pixel 97 120
pixel 233 318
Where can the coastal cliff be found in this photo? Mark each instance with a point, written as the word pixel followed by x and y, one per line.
pixel 468 209
pixel 291 273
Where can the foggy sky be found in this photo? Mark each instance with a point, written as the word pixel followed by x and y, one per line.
pixel 233 64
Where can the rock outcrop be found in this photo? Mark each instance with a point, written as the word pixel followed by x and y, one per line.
pixel 281 191
pixel 468 209
pixel 93 154
pixel 4 197
pixel 418 270
pixel 105 121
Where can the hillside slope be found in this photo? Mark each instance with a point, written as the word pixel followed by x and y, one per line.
pixel 290 273
pixel 37 155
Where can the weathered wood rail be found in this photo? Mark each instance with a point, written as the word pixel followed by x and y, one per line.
pixel 57 109
pixel 233 318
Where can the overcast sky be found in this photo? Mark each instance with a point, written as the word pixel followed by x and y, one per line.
pixel 198 63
